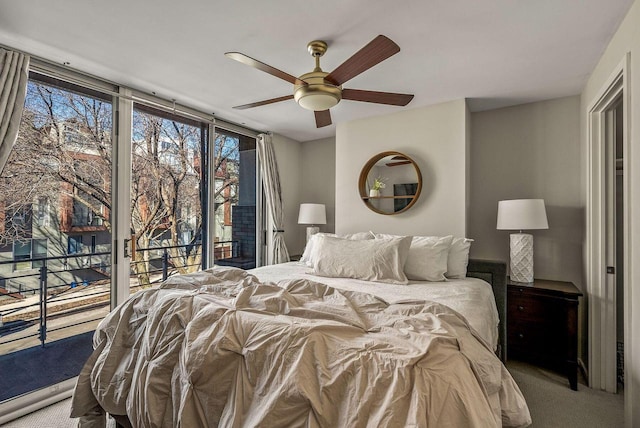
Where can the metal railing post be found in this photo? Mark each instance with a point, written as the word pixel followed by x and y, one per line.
pixel 43 304
pixel 165 264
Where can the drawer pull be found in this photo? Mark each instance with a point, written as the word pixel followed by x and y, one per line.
pixel 521 308
pixel 521 335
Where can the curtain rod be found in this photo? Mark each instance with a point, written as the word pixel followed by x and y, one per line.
pixel 53 69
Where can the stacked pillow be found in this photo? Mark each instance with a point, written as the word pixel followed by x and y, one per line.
pixel 387 258
pixel 458 258
pixel 308 254
pixel 435 258
pixel 380 260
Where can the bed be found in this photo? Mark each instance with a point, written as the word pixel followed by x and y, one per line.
pixel 278 346
pixel 480 297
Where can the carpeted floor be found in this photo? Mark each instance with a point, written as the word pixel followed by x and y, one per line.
pixel 53 416
pixel 551 403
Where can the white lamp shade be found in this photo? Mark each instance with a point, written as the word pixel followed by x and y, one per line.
pixel 312 214
pixel 522 214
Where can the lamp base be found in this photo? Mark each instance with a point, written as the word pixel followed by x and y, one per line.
pixel 521 266
pixel 312 230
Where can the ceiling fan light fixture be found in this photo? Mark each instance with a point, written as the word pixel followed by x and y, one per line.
pixel 316 94
pixel 316 100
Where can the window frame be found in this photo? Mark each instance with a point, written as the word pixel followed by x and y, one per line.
pixel 77 244
pixel 121 99
pixel 147 106
pixel 43 215
pixel 32 262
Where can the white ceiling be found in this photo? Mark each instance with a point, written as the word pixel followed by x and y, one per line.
pixel 494 52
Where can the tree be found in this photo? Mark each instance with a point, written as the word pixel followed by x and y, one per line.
pixel 64 152
pixel 64 138
pixel 164 181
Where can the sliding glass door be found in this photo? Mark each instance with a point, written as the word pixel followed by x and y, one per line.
pixel 167 195
pixel 55 235
pixel 91 212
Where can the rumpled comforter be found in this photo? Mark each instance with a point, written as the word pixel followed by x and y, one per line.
pixel 218 348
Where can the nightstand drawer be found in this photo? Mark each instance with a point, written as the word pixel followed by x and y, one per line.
pixel 530 308
pixel 533 340
pixel 523 336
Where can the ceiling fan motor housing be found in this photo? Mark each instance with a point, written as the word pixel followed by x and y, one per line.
pixel 317 94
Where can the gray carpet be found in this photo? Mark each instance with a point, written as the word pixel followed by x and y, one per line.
pixel 53 416
pixel 551 402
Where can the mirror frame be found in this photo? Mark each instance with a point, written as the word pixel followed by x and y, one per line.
pixel 364 173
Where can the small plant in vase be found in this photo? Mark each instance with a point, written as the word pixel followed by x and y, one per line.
pixel 378 185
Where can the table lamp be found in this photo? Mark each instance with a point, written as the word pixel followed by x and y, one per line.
pixel 312 214
pixel 521 214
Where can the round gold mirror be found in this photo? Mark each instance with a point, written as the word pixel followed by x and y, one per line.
pixel 390 183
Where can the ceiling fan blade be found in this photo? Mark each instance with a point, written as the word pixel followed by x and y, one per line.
pixel 375 52
pixel 323 118
pixel 264 67
pixel 265 102
pixel 376 97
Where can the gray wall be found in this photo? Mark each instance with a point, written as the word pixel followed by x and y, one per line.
pixel 319 179
pixel 289 155
pixel 531 151
pixel 307 174
pixel 522 152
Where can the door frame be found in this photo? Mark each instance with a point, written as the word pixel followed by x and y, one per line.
pixel 602 307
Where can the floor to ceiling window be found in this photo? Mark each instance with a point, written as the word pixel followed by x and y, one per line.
pixel 55 238
pixel 167 196
pixel 63 217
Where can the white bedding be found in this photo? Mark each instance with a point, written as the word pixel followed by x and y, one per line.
pixel 471 297
pixel 218 348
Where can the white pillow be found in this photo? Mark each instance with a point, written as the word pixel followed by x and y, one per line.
pixel 307 255
pixel 358 236
pixel 458 258
pixel 428 257
pixel 380 260
pixel 308 249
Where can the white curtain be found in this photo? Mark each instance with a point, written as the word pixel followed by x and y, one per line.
pixel 277 251
pixel 13 88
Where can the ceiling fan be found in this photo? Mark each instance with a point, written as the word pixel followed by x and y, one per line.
pixel 319 90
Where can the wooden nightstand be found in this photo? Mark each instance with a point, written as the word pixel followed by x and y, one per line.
pixel 542 325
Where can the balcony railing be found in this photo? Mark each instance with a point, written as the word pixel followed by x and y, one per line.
pixel 62 286
pixel 67 286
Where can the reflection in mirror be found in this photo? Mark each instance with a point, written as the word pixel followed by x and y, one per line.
pixel 390 183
